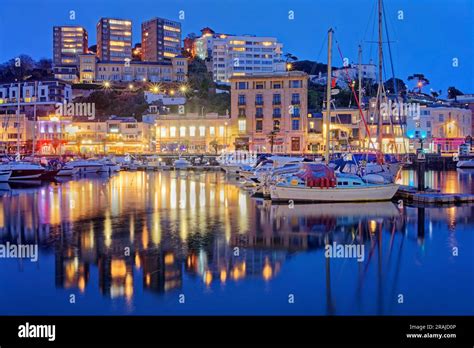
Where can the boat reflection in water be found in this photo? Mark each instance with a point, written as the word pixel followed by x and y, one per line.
pixel 135 242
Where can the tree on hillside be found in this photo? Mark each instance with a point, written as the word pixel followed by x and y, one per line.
pixel 289 57
pixel 116 103
pixel 310 67
pixel 453 92
pixel 399 83
pixel 421 81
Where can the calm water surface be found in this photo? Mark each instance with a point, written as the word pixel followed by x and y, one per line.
pixel 135 242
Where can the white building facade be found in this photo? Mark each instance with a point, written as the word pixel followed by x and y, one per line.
pixel 244 55
pixel 442 129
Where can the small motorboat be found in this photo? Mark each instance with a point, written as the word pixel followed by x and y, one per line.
pixel 181 163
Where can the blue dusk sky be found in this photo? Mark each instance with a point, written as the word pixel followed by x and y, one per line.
pixel 430 36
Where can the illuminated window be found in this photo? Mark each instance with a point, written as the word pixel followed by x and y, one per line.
pixel 242 125
pixel 192 131
pixel 212 131
pixel 163 132
pixel 182 131
pixel 202 131
pixel 172 132
pixel 221 131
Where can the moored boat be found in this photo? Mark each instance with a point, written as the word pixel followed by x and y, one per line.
pixel 23 170
pixel 108 166
pixel 467 164
pixel 319 183
pixel 181 163
pixel 5 175
pixel 86 166
pixel 67 170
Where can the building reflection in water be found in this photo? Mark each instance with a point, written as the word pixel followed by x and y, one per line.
pixel 160 226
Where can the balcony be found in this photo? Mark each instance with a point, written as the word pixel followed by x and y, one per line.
pixel 276 102
pixel 241 103
pixel 275 115
pixel 258 115
pixel 295 102
pixel 258 102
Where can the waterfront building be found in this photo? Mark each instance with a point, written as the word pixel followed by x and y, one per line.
pixel 93 70
pixel 393 126
pixel 12 127
pixel 467 100
pixel 192 133
pixel 161 39
pixel 114 39
pixel 50 134
pixel 344 131
pixel 44 94
pixel 442 129
pixel 116 135
pixel 68 43
pixel 239 55
pixel 269 112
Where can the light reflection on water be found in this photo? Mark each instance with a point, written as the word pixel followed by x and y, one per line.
pixel 132 243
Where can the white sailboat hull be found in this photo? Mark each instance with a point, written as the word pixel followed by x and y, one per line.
pixel 357 194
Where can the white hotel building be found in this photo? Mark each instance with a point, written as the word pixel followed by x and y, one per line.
pixel 243 55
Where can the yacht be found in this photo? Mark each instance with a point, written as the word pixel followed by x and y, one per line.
pixel 22 170
pixel 86 166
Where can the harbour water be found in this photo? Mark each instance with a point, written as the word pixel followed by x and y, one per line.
pixel 191 243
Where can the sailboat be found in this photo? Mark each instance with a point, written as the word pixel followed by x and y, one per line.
pixel 320 183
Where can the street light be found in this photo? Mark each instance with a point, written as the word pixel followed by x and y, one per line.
pixel 288 66
pixel 130 86
pixel 107 84
pixel 183 89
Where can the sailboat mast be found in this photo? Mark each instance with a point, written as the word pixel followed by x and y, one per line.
pixel 327 119
pixel 359 72
pixel 18 121
pixel 380 87
pixel 34 119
